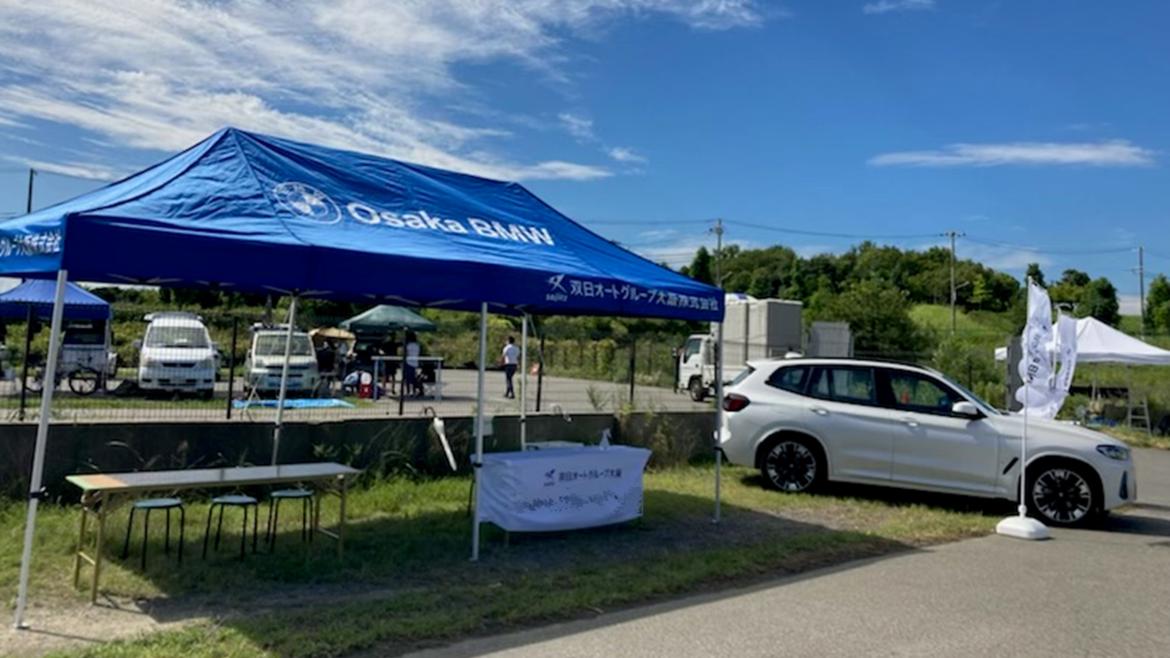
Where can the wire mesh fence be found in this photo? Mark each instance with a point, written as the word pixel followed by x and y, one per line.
pixel 225 365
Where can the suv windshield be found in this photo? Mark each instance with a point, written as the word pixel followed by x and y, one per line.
pixel 979 402
pixel 273 345
pixel 157 336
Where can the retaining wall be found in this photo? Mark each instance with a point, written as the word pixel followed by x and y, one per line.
pixel 383 446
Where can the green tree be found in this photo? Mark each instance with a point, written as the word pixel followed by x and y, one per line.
pixel 701 266
pixel 1158 303
pixel 1035 274
pixel 980 292
pixel 1100 301
pixel 879 317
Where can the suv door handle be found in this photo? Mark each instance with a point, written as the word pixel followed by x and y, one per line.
pixel 820 411
pixel 910 422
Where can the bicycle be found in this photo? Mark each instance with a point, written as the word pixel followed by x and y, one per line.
pixel 82 380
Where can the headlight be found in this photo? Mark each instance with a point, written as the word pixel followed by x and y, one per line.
pixel 1114 452
pixel 150 363
pixel 207 363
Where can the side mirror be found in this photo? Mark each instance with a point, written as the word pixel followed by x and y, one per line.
pixel 966 409
pixel 137 344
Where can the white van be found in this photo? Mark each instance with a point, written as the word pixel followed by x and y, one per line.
pixel 176 355
pixel 266 359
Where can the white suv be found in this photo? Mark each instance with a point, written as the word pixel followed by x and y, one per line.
pixel 805 421
pixel 177 355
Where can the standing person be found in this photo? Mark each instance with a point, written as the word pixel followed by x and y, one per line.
pixel 511 358
pixel 389 347
pixel 410 365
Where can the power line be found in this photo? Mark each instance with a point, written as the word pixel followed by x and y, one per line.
pixel 1037 250
pixel 828 234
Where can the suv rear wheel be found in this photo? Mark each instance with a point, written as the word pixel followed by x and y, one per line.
pixel 792 464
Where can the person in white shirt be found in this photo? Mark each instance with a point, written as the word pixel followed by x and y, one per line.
pixel 411 352
pixel 511 358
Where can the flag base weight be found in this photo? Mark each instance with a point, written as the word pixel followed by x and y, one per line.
pixel 1022 527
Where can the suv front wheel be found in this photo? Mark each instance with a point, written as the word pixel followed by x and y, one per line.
pixel 1063 494
pixel 792 464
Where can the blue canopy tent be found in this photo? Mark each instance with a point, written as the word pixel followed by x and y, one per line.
pixel 248 212
pixel 36 295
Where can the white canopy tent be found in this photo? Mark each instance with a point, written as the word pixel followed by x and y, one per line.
pixel 1097 342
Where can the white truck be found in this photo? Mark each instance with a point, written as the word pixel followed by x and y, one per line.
pixel 266 361
pixel 177 355
pixel 752 329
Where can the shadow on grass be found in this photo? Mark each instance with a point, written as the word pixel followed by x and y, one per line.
pixel 406 581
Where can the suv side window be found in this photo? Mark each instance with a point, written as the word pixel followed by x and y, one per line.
pixel 790 378
pixel 848 384
pixel 912 391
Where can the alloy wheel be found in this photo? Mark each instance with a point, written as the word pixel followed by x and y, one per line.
pixel 791 466
pixel 1062 495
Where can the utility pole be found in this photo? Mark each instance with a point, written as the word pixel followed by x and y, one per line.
pixel 28 205
pixel 718 230
pixel 954 290
pixel 1142 283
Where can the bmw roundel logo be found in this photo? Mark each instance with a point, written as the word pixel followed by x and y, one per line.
pixel 307 202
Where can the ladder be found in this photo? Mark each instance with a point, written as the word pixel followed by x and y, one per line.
pixel 1138 416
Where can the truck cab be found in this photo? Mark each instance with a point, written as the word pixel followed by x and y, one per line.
pixel 266 361
pixel 752 329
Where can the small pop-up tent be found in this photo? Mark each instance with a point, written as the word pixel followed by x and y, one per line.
pixel 385 317
pixel 36 296
pixel 1097 342
pixel 247 212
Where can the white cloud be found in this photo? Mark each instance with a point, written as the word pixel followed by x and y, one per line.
pixel 581 128
pixel 375 76
pixel 85 170
pixel 886 6
pixel 626 154
pixel 1112 153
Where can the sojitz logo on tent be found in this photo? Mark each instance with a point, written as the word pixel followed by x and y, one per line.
pixel 307 202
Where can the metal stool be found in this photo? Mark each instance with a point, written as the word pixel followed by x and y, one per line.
pixel 307 513
pixel 241 501
pixel 147 505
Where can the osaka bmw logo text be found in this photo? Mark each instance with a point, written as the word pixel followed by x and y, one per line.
pixel 307 202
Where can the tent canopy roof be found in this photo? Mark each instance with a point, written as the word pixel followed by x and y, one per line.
pixel 1097 342
pixel 80 304
pixel 249 212
pixel 385 317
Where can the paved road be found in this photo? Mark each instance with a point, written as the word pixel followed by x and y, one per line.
pixel 1099 592
pixel 572 396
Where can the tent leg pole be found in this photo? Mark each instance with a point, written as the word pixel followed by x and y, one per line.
pixel 292 319
pixel 479 400
pixel 718 421
pixel 524 383
pixel 39 452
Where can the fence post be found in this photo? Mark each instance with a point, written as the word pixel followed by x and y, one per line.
pixel 232 366
pixel 540 372
pixel 28 330
pixel 633 359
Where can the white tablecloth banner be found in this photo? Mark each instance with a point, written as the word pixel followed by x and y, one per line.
pixel 561 489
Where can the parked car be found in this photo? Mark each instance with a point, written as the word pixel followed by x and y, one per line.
pixel 806 421
pixel 176 355
pixel 266 360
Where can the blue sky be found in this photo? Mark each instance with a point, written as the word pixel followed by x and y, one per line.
pixel 1037 128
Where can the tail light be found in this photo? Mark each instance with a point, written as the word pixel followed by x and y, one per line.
pixel 735 402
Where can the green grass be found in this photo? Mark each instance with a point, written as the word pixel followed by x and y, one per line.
pixel 1138 438
pixel 406 579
